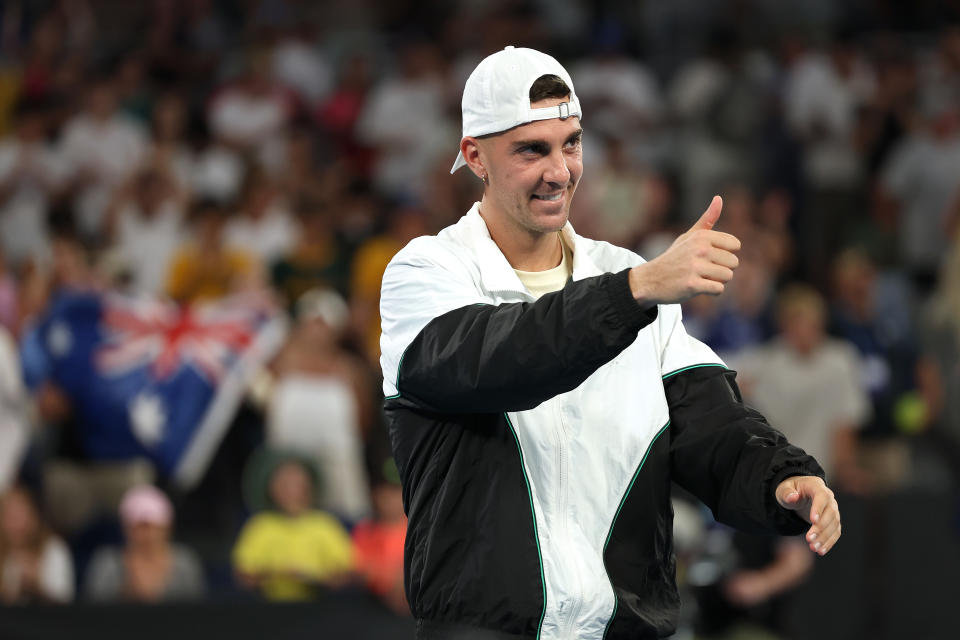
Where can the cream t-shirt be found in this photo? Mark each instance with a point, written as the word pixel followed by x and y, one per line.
pixel 541 282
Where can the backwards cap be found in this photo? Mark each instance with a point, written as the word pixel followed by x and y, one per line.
pixel 497 94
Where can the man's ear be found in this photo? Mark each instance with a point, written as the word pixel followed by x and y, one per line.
pixel 472 154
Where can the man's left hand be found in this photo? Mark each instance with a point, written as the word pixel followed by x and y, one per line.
pixel 814 502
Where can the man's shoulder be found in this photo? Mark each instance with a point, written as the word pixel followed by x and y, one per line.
pixel 608 257
pixel 449 248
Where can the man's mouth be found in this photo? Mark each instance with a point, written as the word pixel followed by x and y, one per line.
pixel 549 198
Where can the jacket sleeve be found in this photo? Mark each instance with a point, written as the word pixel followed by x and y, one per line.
pixel 446 350
pixel 727 455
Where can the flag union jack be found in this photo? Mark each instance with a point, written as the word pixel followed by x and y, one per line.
pixel 160 335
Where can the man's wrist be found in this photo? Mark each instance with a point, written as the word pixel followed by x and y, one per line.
pixel 639 287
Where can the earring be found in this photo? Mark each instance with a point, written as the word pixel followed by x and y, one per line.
pixel 484 178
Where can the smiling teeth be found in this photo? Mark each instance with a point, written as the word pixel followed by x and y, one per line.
pixel 551 198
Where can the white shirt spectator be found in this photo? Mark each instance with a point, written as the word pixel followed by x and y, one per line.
pixel 105 153
pixel 624 92
pixel 217 173
pixel 249 118
pixel 318 416
pixel 29 172
pixel 148 242
pixel 821 107
pixel 806 397
pixel 923 173
pixel 269 237
pixel 405 120
pixel 299 66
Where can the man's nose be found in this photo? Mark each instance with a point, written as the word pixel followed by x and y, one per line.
pixel 557 171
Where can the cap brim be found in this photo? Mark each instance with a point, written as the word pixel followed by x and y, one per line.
pixel 460 162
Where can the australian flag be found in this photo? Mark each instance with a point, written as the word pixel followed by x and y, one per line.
pixel 149 378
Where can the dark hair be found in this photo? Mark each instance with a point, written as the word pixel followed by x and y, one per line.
pixel 549 86
pixel 207 208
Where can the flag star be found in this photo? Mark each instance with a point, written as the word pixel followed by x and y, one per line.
pixel 60 339
pixel 148 418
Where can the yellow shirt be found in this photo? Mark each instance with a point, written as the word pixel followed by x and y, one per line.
pixel 541 282
pixel 368 266
pixel 194 276
pixel 314 545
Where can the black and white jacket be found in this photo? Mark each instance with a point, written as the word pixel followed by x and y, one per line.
pixel 536 442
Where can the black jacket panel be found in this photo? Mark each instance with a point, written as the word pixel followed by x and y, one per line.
pixel 512 357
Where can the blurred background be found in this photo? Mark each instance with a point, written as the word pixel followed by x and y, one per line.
pixel 198 199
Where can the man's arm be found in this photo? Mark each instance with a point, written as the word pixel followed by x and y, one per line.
pixel 727 455
pixel 481 358
pixel 750 476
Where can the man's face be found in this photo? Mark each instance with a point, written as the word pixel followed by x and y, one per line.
pixel 533 171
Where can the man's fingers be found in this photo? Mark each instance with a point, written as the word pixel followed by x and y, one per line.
pixel 819 504
pixel 825 541
pixel 724 241
pixel 710 216
pixel 716 272
pixel 723 258
pixel 709 286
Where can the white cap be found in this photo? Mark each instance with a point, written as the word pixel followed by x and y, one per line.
pixel 497 94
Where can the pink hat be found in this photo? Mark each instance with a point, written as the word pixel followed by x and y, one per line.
pixel 145 503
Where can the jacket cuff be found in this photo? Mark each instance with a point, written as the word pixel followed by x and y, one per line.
pixel 629 311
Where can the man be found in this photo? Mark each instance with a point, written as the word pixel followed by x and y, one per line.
pixel 536 434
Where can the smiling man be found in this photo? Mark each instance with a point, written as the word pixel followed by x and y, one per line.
pixel 542 393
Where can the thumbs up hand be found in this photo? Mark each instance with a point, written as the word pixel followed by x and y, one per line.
pixel 699 261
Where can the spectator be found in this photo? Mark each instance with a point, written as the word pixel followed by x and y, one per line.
pixel 31 174
pixel 14 425
pixel 625 199
pixel 743 319
pixel 378 543
pixel 9 297
pixel 289 550
pixel 251 115
pixel 404 120
pixel 858 315
pixel 318 259
pixel 102 148
pixel 369 263
pixel 809 386
pixel 940 348
pixel 209 268
pixel 299 65
pixel 337 117
pixel 918 187
pixel 823 97
pixel 35 565
pixel 171 154
pixel 145 222
pixel 262 227
pixel 149 568
pixel 623 97
pixel 321 403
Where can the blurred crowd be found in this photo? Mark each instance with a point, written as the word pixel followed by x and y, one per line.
pixel 197 148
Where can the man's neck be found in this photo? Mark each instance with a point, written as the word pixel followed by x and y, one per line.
pixel 524 249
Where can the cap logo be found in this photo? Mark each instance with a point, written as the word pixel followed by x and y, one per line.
pixel 564 109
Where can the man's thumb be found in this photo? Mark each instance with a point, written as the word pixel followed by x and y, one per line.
pixel 710 216
pixel 788 495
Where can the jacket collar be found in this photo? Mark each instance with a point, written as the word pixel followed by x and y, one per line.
pixel 496 272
